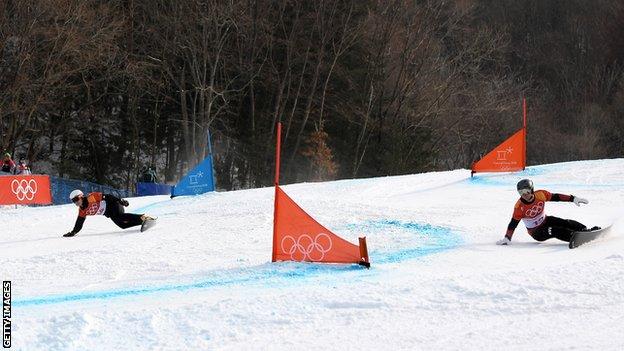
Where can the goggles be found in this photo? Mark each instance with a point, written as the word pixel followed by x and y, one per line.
pixel 525 191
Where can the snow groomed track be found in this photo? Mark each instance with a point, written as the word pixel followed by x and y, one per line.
pixel 202 279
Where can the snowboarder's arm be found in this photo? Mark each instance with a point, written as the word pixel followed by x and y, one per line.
pixel 511 227
pixel 506 240
pixel 562 197
pixel 113 198
pixel 515 219
pixel 570 198
pixel 78 226
pixel 109 197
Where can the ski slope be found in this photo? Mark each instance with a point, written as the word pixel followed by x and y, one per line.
pixel 202 278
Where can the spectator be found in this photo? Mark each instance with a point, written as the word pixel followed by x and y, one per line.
pixel 8 166
pixel 22 168
pixel 148 175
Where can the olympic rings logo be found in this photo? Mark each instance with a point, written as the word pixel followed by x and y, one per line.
pixel 24 189
pixel 304 248
pixel 535 209
pixel 93 209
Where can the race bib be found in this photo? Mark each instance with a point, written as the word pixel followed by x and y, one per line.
pixel 96 208
pixel 534 216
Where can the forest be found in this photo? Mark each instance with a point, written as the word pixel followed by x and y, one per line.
pixel 99 89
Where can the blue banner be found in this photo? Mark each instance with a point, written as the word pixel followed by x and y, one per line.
pixel 61 188
pixel 198 181
pixel 146 189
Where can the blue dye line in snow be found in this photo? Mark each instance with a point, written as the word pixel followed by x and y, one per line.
pixel 578 185
pixel 108 294
pixel 430 239
pixel 258 274
pixel 504 178
pixel 156 205
pixel 507 182
pixel 143 209
pixel 509 179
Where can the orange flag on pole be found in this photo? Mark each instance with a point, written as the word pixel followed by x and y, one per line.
pixel 506 157
pixel 509 156
pixel 299 237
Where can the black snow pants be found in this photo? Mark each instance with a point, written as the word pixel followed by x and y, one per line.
pixel 115 211
pixel 554 227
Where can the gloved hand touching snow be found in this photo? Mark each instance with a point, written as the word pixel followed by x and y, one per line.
pixel 124 202
pixel 579 200
pixel 504 241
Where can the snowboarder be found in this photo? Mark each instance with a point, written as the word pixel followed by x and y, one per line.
pixel 104 204
pixel 530 209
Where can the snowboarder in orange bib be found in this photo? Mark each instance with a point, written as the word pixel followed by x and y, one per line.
pixel 103 204
pixel 530 209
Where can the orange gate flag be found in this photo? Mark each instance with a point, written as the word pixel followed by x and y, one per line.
pixel 506 157
pixel 25 190
pixel 509 156
pixel 299 237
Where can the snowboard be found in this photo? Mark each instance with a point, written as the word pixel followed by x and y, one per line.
pixel 580 238
pixel 148 224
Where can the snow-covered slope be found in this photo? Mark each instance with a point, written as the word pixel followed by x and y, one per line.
pixel 202 278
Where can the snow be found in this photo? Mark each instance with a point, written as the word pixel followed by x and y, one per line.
pixel 202 279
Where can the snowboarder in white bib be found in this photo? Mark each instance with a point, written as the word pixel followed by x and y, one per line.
pixel 530 209
pixel 103 204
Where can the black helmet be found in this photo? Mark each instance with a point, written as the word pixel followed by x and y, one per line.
pixel 525 184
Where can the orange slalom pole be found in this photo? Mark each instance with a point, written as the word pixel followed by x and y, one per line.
pixel 277 152
pixel 277 173
pixel 364 261
pixel 524 127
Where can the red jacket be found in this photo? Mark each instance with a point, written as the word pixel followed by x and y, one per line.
pixel 8 166
pixel 532 213
pixel 95 205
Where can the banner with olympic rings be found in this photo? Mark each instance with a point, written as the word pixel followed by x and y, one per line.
pixel 24 190
pixel 299 237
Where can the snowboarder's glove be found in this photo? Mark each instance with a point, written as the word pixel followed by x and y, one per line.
pixel 579 200
pixel 504 241
pixel 69 234
pixel 125 203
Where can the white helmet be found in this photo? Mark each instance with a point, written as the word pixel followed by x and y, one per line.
pixel 74 194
